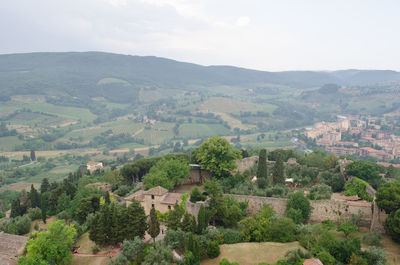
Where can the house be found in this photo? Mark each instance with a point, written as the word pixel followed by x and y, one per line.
pixel 157 197
pixel 93 166
pixel 11 246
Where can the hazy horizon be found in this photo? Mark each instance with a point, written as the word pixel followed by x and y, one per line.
pixel 262 35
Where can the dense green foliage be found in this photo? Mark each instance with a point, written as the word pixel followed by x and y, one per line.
pixel 217 155
pixel 262 170
pixel 357 187
pixel 51 246
pixel 365 170
pixel 388 197
pixel 298 201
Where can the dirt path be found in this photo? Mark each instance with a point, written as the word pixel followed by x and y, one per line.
pixel 112 253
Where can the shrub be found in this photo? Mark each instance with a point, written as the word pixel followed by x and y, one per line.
pixel 133 249
pixel 393 225
pixel 282 230
pixel 196 195
pixel 213 250
pixel 372 239
pixel 95 249
pixel 299 202
pixel 176 239
pixel 347 228
pixel 320 192
pixel 35 214
pixel 123 190
pixel 2 214
pixel 377 256
pixel 357 187
pixel 63 215
pixel 120 260
pixel 326 258
pixel 36 227
pixel 231 236
pixel 19 225
pixel 295 215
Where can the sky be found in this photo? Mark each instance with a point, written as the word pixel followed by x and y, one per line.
pixel 272 35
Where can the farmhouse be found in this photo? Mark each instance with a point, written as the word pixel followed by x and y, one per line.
pixel 93 166
pixel 157 197
pixel 11 246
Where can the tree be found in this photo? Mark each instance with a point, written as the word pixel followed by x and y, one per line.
pixel 51 246
pixel 159 254
pixel 262 170
pixel 282 230
pixel 154 225
pixel 196 195
pixel 15 208
pixel 217 156
pixel 45 186
pixel 201 219
pixel 188 223
pixel 347 228
pixel 34 197
pixel 192 245
pixel 388 196
pixel 298 201
pixel 133 249
pixel 365 170
pixel 136 221
pixel 33 155
pixel 393 225
pixel 278 171
pixel 166 173
pixel 174 217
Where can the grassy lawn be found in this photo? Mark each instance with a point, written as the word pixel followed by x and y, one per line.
pixel 252 253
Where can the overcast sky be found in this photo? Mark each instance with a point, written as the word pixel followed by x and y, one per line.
pixel 269 35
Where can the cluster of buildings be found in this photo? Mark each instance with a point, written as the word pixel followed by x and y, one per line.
pixel 330 135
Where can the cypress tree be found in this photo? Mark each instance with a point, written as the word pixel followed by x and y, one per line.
pixel 201 220
pixel 15 208
pixel 262 170
pixel 188 223
pixel 136 225
pixel 193 246
pixel 34 197
pixel 45 185
pixel 174 218
pixel 154 225
pixel 33 155
pixel 278 170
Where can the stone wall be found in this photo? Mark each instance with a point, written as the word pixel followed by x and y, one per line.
pixel 322 210
pixel 193 208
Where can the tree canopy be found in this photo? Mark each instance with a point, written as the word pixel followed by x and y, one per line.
pixel 167 174
pixel 217 155
pixel 50 247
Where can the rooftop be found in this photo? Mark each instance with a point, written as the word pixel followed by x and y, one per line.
pixel 157 191
pixel 171 198
pixel 11 245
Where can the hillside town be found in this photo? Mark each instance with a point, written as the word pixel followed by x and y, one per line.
pixel 357 136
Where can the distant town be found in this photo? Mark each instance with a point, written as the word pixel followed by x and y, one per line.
pixel 358 136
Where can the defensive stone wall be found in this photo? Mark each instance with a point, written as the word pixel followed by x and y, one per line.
pixel 322 210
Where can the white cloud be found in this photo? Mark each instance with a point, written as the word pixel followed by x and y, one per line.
pixel 243 21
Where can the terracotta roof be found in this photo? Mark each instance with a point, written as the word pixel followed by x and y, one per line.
pixel 171 198
pixel 312 262
pixel 11 245
pixel 158 191
pixel 139 195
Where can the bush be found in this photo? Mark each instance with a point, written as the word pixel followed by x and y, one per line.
pixel 63 215
pixel 35 214
pixel 120 260
pixel 299 202
pixel 213 250
pixel 176 239
pixel 326 258
pixel 357 187
pixel 19 225
pixel 377 256
pixel 320 192
pixel 295 215
pixel 393 225
pixel 372 239
pixel 282 230
pixel 123 190
pixel 347 228
pixel 196 195
pixel 95 249
pixel 2 214
pixel 231 236
pixel 36 227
